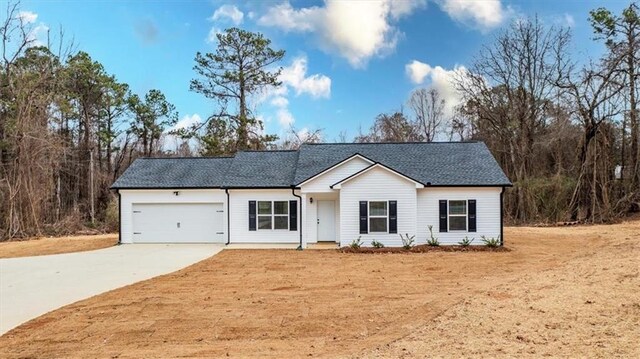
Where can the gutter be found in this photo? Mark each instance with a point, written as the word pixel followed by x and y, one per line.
pixel 502 217
pixel 293 192
pixel 119 217
pixel 226 190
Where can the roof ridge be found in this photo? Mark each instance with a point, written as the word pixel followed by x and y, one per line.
pixel 183 157
pixel 390 143
pixel 266 151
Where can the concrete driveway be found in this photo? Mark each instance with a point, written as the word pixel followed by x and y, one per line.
pixel 32 286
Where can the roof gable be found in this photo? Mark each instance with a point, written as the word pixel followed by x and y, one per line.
pixel 335 166
pixel 339 184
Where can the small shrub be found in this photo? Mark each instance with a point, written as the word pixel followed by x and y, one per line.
pixel 491 242
pixel 465 242
pixel 377 244
pixel 407 242
pixel 432 240
pixel 357 243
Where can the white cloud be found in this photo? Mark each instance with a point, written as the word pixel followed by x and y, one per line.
pixel 355 30
pixel 230 12
pixel 485 14
pixel 417 71
pixel 280 101
pixel 316 85
pixel 27 17
pixel 569 20
pixel 439 78
pixel 285 118
pixel 37 34
pixel 187 121
pixel 293 77
pixel 211 36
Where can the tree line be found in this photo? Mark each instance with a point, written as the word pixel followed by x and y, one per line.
pixel 565 130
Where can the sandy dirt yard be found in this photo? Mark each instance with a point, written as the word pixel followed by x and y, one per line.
pixel 572 291
pixel 56 245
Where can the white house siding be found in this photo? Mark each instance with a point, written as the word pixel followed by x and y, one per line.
pixel 129 197
pixel 239 211
pixel 377 185
pixel 323 182
pixel 487 212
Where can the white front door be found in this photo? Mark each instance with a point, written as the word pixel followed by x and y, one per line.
pixel 326 221
pixel 178 223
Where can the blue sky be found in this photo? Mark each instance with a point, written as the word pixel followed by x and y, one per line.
pixel 346 62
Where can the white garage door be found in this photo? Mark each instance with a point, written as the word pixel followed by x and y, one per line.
pixel 178 223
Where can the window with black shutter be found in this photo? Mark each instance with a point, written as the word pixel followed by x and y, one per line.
pixel 443 215
pixel 293 215
pixel 252 215
pixel 364 228
pixel 393 217
pixel 472 215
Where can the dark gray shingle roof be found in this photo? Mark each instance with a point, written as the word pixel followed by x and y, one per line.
pixel 262 169
pixel 436 164
pixel 174 173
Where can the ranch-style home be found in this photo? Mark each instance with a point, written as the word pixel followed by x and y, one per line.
pixel 320 193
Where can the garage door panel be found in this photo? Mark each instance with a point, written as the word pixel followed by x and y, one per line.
pixel 178 223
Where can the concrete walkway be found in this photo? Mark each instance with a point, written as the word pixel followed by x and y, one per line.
pixel 32 286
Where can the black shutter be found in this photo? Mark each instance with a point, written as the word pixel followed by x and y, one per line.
pixel 443 215
pixel 393 217
pixel 293 215
pixel 252 215
pixel 472 215
pixel 364 229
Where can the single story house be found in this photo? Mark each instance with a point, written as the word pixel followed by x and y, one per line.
pixel 334 192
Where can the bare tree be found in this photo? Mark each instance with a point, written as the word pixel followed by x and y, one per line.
pixel 507 90
pixel 595 94
pixel 393 127
pixel 296 138
pixel 428 108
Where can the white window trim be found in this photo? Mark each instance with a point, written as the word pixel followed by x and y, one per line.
pixel 466 215
pixel 273 216
pixel 369 216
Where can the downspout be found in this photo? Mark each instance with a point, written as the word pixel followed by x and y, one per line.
pixel 293 192
pixel 226 190
pixel 501 218
pixel 119 216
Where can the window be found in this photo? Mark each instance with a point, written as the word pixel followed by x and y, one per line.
pixel 458 215
pixel 273 215
pixel 378 217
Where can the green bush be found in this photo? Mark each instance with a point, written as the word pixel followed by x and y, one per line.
pixel 491 242
pixel 357 243
pixel 377 244
pixel 407 242
pixel 432 240
pixel 465 242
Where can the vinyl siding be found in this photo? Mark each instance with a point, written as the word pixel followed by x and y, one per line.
pixel 377 185
pixel 487 212
pixel 129 197
pixel 323 182
pixel 239 211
